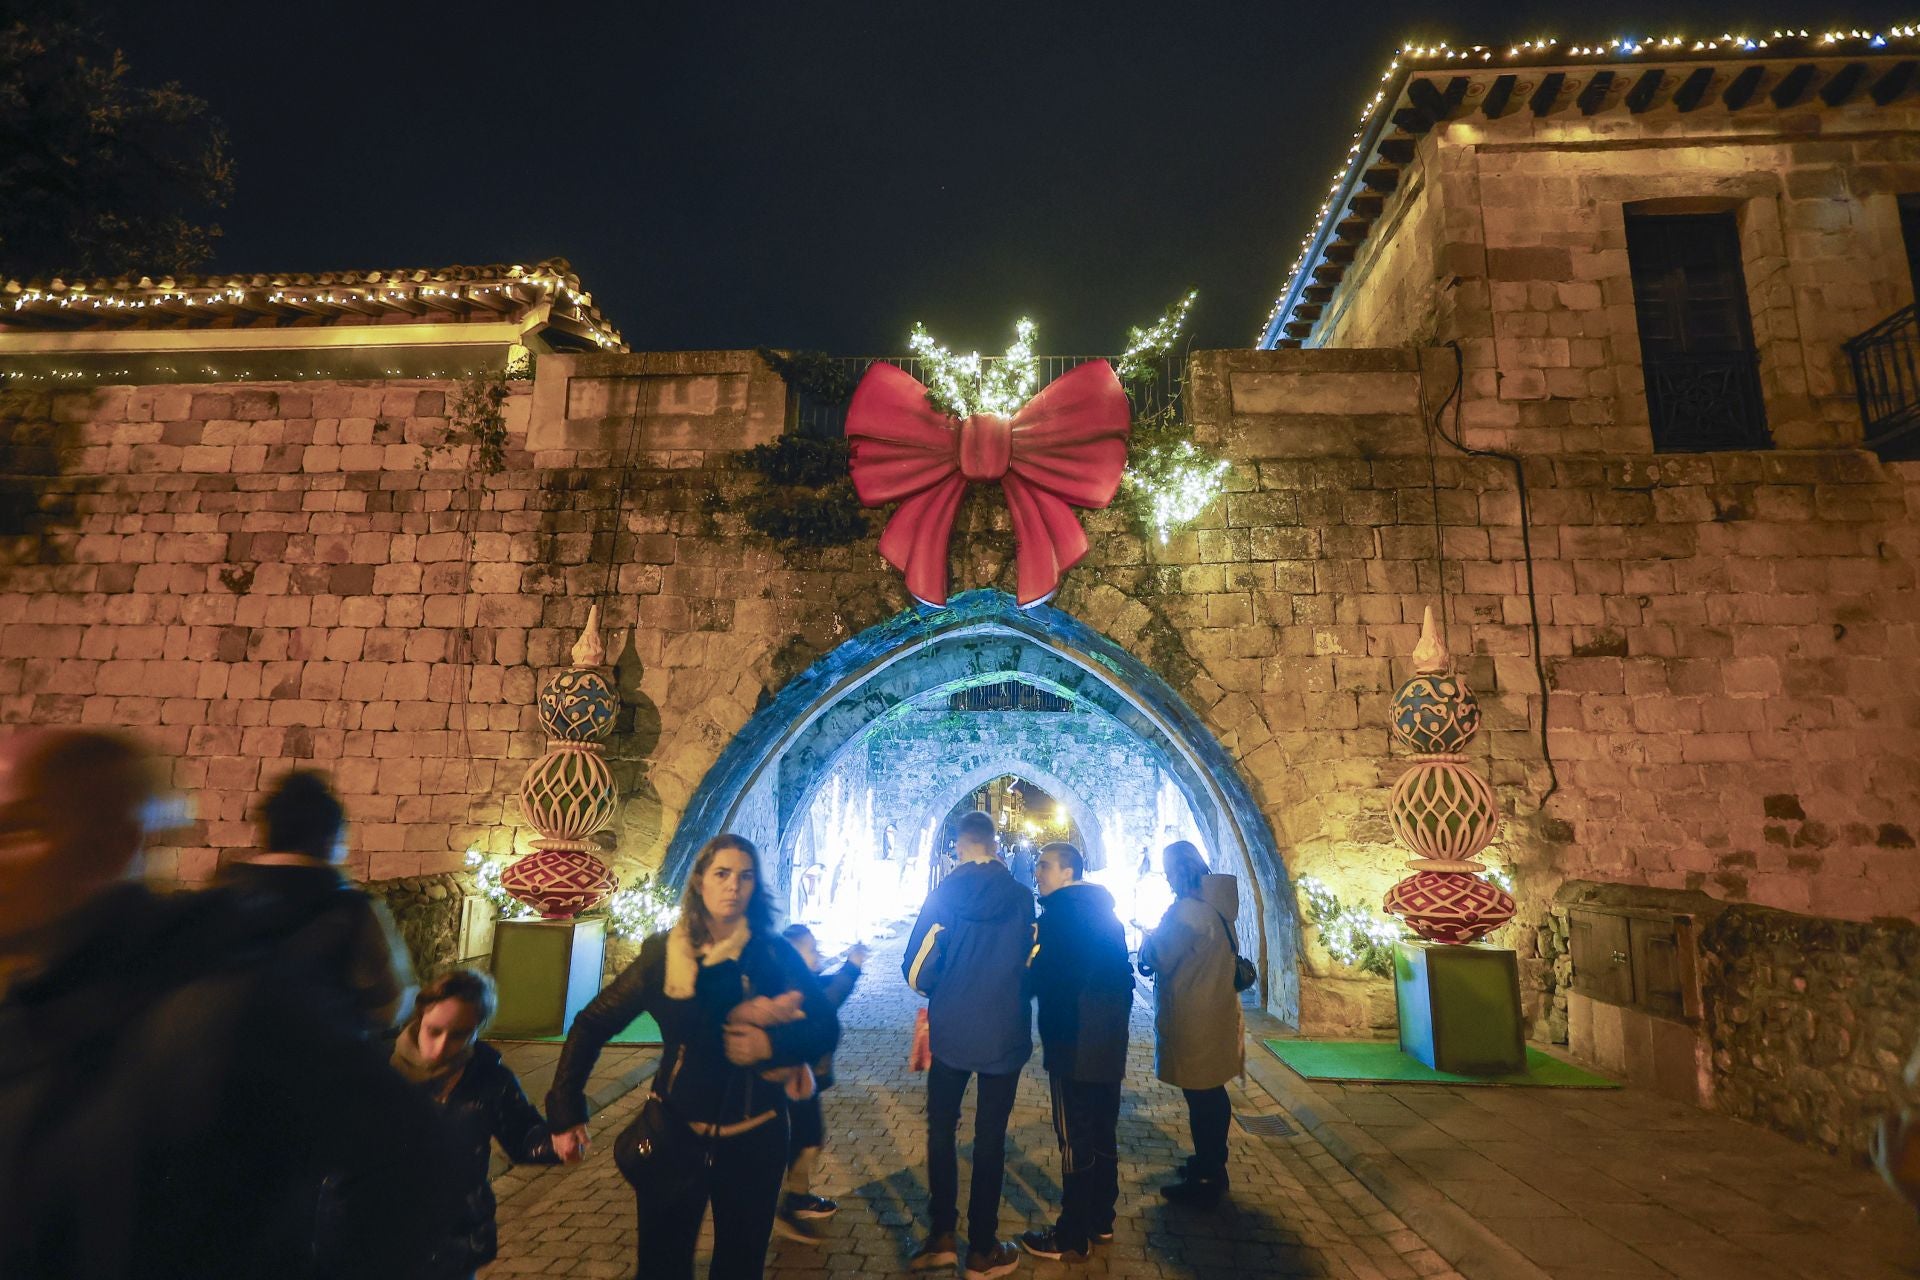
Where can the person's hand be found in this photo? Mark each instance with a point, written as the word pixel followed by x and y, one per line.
pixel 747 1044
pixel 767 1011
pixel 857 954
pixel 571 1144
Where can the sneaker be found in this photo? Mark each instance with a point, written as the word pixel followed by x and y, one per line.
pixel 1197 1190
pixel 937 1250
pixel 1103 1237
pixel 1044 1244
pixel 806 1206
pixel 998 1259
pixel 787 1227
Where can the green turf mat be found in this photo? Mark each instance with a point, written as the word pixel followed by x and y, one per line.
pixel 1380 1061
pixel 642 1030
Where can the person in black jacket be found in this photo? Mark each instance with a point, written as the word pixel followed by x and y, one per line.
pixel 439 1050
pixel 968 954
pixel 324 920
pixel 1083 986
pixel 176 1100
pixel 740 1018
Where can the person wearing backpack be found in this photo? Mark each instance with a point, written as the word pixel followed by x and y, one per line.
pixel 968 955
pixel 296 892
pixel 1199 1033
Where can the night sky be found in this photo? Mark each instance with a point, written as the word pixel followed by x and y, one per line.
pixel 821 175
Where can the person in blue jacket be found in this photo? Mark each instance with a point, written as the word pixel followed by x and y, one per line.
pixel 968 955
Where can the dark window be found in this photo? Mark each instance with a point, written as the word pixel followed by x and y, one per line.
pixel 1008 695
pixel 1910 232
pixel 1696 337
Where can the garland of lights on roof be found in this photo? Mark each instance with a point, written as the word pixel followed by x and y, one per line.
pixel 17 296
pixel 1625 48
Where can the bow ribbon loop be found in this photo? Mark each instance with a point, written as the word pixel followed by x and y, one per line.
pixel 1065 448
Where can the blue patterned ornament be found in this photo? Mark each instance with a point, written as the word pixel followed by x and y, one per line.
pixel 1435 714
pixel 578 705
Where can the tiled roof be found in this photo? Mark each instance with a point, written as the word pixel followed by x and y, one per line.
pixel 1425 86
pixel 437 295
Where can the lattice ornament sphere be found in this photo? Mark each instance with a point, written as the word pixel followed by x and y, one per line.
pixel 1443 809
pixel 568 795
pixel 559 883
pixel 1435 714
pixel 578 705
pixel 1449 906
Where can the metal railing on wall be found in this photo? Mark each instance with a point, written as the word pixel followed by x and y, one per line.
pixel 1886 376
pixel 1160 394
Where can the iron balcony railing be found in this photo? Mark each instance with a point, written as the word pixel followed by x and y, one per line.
pixel 1152 397
pixel 1886 375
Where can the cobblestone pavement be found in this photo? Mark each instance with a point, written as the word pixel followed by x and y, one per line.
pixel 1294 1210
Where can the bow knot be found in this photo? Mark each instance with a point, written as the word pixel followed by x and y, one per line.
pixel 985 447
pixel 1065 448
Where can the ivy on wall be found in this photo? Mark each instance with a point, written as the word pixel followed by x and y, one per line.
pixel 806 497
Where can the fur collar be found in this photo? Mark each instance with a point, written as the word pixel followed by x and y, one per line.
pixel 684 963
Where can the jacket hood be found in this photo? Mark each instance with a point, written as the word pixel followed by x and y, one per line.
pixel 1080 896
pixel 1222 893
pixel 982 891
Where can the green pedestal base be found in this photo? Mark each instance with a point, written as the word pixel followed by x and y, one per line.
pixel 1459 1007
pixel 546 971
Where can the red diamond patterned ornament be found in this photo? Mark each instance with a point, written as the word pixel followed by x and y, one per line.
pixel 559 883
pixel 1449 906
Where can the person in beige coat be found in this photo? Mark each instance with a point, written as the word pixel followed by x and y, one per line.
pixel 1199 1040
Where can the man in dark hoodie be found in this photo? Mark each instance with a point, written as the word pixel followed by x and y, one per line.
pixel 326 923
pixel 1083 985
pixel 968 954
pixel 174 1102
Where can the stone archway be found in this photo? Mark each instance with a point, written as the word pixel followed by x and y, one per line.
pixel 765 775
pixel 954 791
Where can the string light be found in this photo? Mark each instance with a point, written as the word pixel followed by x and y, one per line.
pixel 1352 936
pixel 1178 481
pixel 1148 345
pixel 531 284
pixel 486 874
pixel 966 385
pixel 1624 46
pixel 648 908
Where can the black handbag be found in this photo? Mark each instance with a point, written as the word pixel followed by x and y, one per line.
pixel 659 1154
pixel 1244 974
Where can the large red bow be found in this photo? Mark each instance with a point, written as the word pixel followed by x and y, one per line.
pixel 1067 445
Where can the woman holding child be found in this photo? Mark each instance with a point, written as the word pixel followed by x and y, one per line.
pixel 740 1019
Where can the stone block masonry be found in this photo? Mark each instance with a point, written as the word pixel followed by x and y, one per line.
pixel 258 576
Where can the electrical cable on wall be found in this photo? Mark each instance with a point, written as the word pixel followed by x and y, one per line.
pixel 1456 398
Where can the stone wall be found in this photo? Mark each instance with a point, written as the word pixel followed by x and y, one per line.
pixel 1509 237
pixel 258 576
pixel 1810 1021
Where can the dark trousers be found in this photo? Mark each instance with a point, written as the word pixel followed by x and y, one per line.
pixel 743 1186
pixel 1086 1122
pixel 1208 1114
pixel 946 1086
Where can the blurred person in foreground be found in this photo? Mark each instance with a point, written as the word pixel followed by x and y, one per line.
pixel 174 1100
pixel 327 923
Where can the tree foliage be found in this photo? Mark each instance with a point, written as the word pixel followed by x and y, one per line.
pixel 98 175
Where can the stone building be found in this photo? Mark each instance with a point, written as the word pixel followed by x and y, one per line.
pixel 1695 652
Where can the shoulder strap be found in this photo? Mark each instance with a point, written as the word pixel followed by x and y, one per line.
pixel 1233 942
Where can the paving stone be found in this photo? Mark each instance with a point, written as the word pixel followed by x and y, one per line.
pixel 1294 1211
